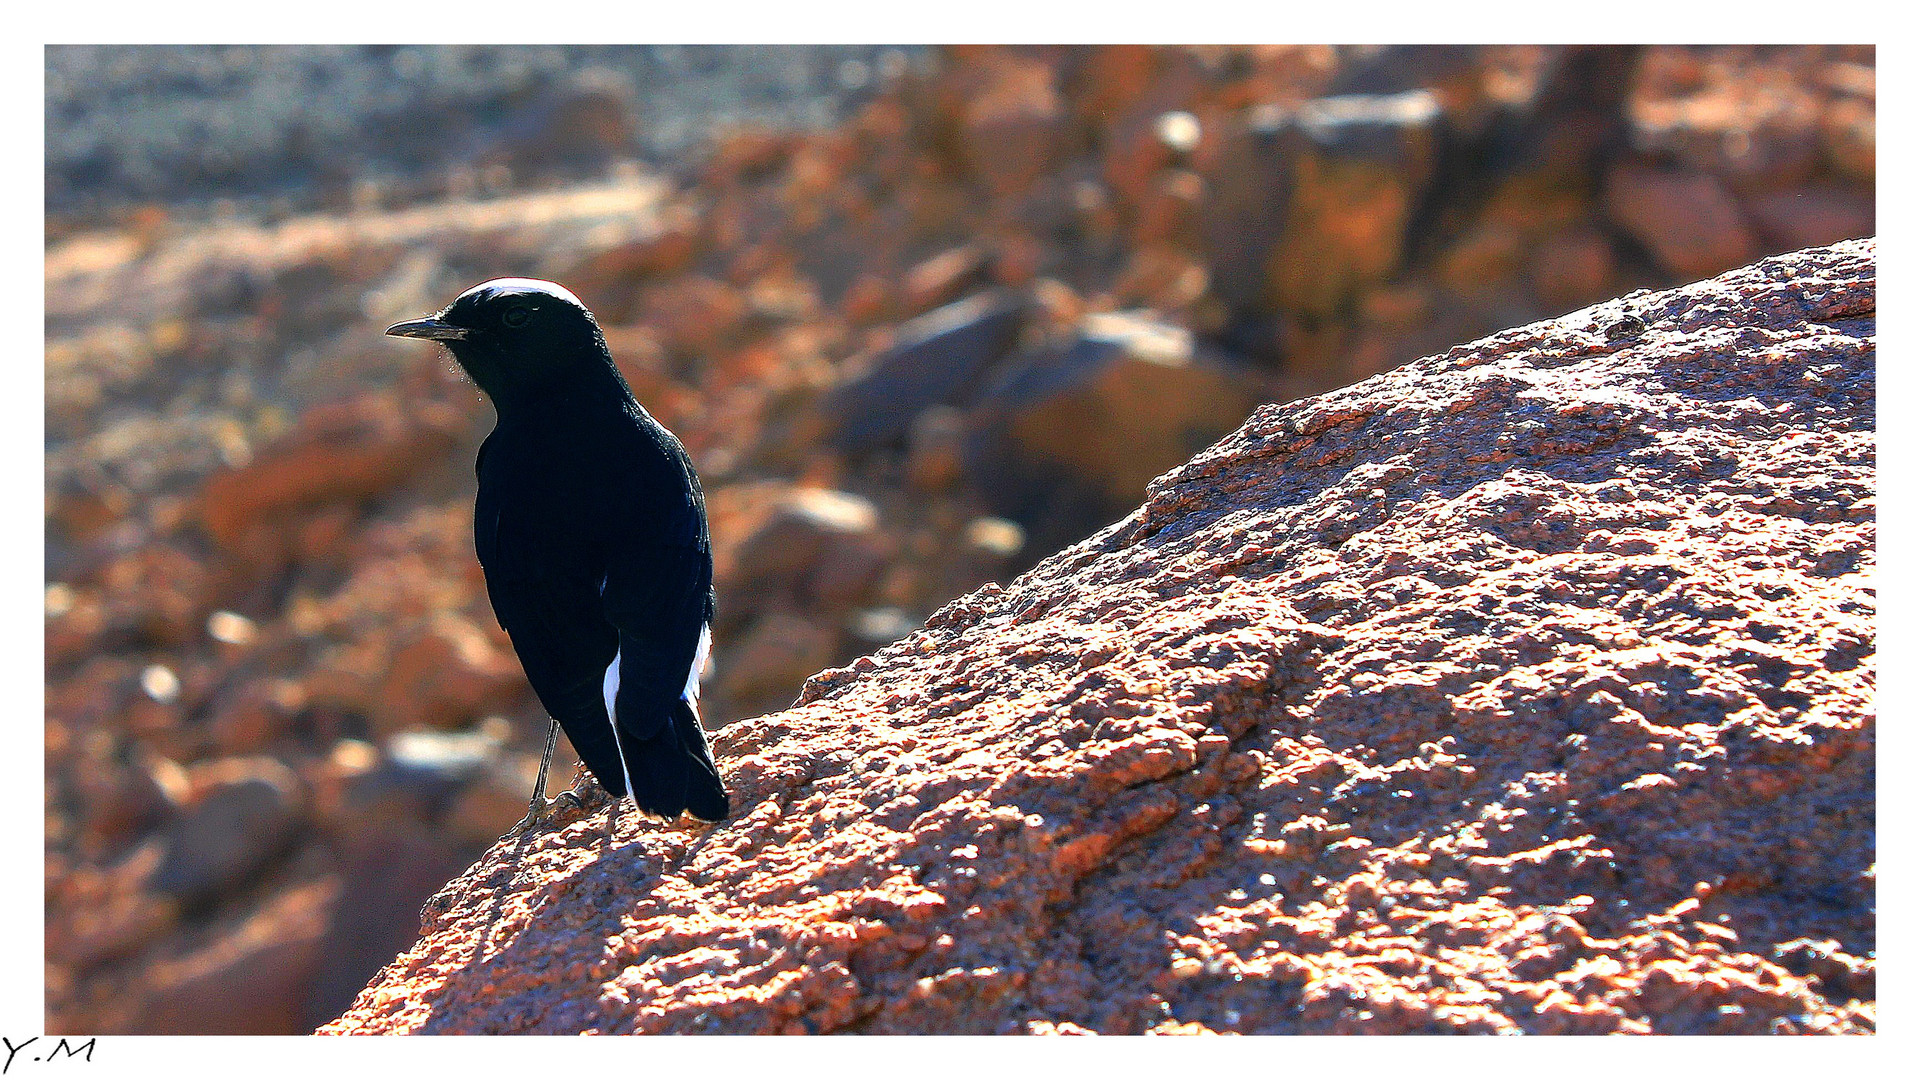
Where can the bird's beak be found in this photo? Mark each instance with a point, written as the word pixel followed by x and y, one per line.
pixel 431 329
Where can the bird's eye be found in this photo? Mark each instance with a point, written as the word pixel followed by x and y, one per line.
pixel 517 316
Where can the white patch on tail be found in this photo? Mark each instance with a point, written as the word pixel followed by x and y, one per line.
pixel 610 689
pixel 692 691
pixel 610 685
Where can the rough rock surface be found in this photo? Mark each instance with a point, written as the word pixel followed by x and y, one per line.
pixel 1528 687
pixel 258 510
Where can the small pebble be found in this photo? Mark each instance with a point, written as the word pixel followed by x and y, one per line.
pixel 160 683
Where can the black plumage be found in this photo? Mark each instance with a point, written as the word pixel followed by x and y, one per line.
pixel 592 530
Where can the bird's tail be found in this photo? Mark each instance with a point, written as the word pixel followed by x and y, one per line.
pixel 673 772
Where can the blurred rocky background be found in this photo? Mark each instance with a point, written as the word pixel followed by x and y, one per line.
pixel 921 315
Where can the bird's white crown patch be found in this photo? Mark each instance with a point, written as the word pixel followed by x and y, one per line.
pixel 523 285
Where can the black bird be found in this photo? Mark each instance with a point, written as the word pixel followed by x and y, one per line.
pixel 592 531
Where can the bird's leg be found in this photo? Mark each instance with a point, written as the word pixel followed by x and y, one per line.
pixel 613 822
pixel 537 809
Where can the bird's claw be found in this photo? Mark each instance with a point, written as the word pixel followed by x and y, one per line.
pixel 547 811
pixel 536 816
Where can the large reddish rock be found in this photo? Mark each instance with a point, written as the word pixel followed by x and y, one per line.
pixel 1361 165
pixel 250 978
pixel 1687 219
pixel 1070 434
pixel 1528 687
pixel 341 452
pixel 445 674
pixel 816 548
pixel 1012 121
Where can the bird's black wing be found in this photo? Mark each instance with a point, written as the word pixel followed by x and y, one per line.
pixel 659 596
pixel 660 599
pixel 565 647
pixel 547 597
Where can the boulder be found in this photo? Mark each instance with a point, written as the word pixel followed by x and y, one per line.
pixel 1309 206
pixel 250 978
pixel 1525 688
pixel 255 715
pixel 445 674
pixel 1686 219
pixel 1069 437
pixel 1362 164
pixel 1248 190
pixel 1573 267
pixel 342 452
pixel 244 814
pixel 385 873
pixel 817 549
pixel 587 120
pixel 939 358
pixel 770 659
pixel 1012 123
pixel 1810 215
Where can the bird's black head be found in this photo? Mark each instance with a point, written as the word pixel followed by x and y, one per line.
pixel 517 338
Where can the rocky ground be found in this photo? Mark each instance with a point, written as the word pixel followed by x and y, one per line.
pixel 285 127
pixel 1527 688
pixel 911 353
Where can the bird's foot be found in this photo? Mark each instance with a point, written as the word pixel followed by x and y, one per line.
pixel 586 792
pixel 537 815
pixel 560 810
